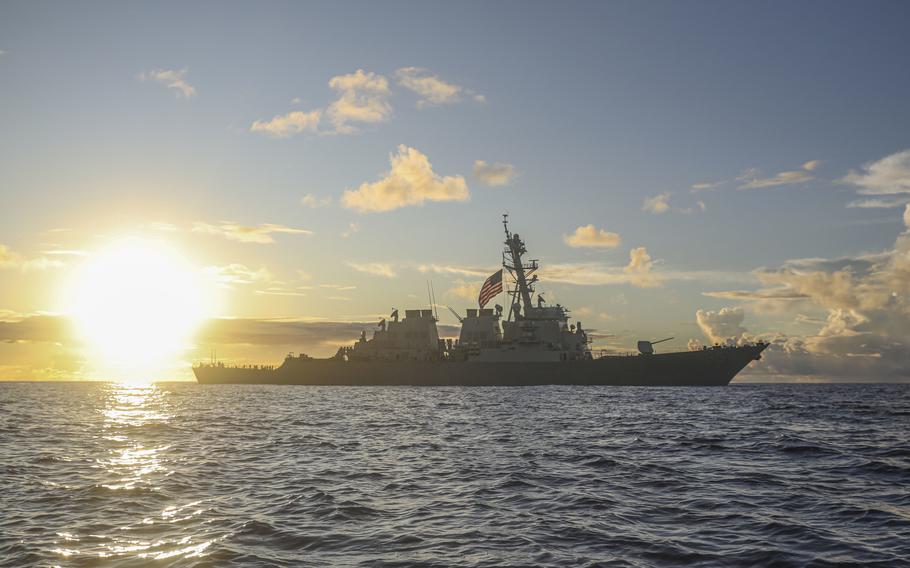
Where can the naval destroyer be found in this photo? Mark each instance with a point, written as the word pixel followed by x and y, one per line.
pixel 532 344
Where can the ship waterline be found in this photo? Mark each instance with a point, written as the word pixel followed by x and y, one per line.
pixel 533 344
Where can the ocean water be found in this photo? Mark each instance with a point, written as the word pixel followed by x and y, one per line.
pixel 100 474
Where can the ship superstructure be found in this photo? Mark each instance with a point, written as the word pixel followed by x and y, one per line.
pixel 532 343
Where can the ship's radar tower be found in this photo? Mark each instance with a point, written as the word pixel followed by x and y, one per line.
pixel 511 261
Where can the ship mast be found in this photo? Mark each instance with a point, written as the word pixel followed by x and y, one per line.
pixel 511 260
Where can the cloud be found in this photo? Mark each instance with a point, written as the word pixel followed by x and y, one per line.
pixel 310 200
pixel 251 331
pixel 432 89
pixel 261 234
pixel 286 125
pixel 907 216
pixel 866 305
pixel 639 269
pixel 172 79
pixel 811 165
pixel 590 236
pixel 353 227
pixel 374 268
pixel 468 291
pixel 657 204
pixel 411 181
pixel 35 328
pixel 479 271
pixel 639 272
pixel 362 97
pixel 889 175
pixel 723 326
pixel 495 174
pixel 236 274
pixel 752 178
pixel 10 259
pixel 885 202
pixel 706 185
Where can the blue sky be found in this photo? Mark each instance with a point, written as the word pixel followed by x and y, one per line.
pixel 597 106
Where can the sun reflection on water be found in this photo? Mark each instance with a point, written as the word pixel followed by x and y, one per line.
pixel 137 460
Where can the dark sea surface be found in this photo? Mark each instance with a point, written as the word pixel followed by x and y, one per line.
pixel 100 474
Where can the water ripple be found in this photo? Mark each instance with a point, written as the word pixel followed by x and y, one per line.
pixel 188 475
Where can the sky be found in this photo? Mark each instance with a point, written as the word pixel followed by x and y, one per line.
pixel 711 171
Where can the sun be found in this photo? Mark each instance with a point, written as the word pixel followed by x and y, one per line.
pixel 137 304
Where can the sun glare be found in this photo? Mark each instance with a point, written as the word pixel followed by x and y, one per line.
pixel 137 304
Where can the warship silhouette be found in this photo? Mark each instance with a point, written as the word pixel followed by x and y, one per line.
pixel 534 344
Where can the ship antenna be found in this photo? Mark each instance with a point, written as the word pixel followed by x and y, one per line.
pixel 433 305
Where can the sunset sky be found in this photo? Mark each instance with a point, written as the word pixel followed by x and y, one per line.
pixel 711 171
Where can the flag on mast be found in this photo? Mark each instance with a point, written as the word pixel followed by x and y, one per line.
pixel 490 288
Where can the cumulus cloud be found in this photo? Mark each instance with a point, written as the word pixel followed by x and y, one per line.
pixel 362 97
pixel 261 234
pixel 285 125
pixel 888 175
pixel 172 79
pixel 312 201
pixel 752 178
pixel 639 269
pixel 723 326
pixel 907 216
pixel 866 302
pixel 589 236
pixel 657 204
pixel 495 174
pixel 432 90
pixel 374 268
pixel 411 181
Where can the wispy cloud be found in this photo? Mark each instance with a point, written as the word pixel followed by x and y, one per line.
pixel 353 227
pixel 374 268
pixel 478 271
pixel 235 273
pixel 589 236
pixel 411 181
pixel 285 125
pixel 752 178
pixel 10 259
pixel 432 90
pixel 706 185
pixel 495 174
pixel 172 79
pixel 889 175
pixel 468 291
pixel 885 202
pixel 261 234
pixel 312 201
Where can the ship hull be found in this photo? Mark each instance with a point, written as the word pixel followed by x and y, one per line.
pixel 710 367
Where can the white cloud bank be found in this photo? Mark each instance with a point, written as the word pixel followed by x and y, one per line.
pixel 411 181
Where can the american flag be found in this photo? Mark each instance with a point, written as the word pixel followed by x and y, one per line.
pixel 490 288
